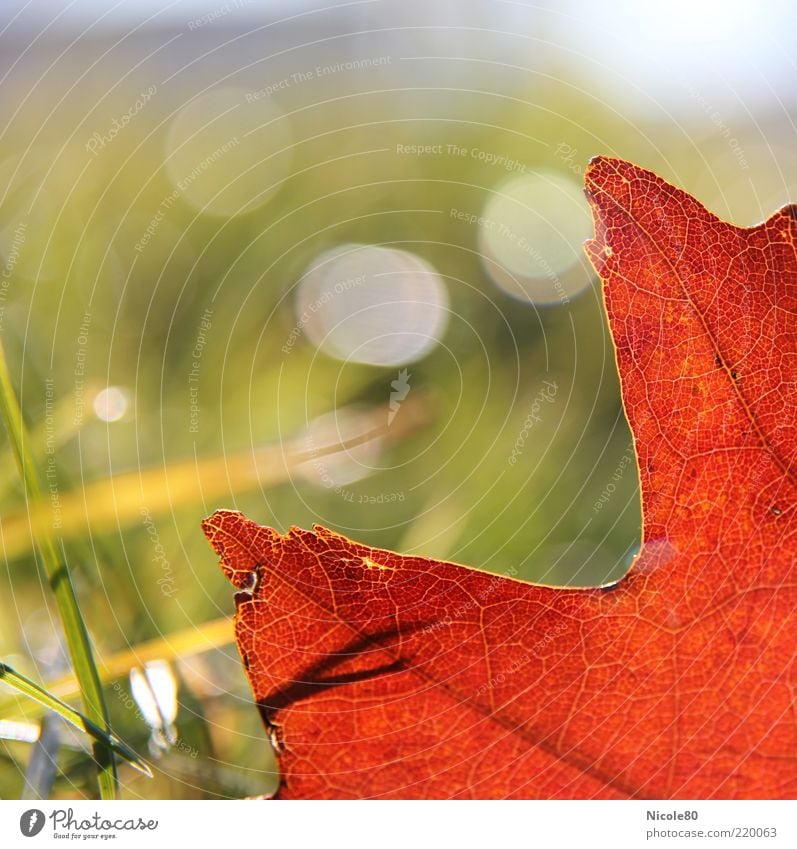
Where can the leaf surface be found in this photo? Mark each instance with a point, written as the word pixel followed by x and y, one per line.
pixel 380 675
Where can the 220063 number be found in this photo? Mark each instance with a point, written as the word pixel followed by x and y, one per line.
pixel 755 832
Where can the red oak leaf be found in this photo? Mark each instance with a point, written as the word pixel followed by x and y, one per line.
pixel 380 675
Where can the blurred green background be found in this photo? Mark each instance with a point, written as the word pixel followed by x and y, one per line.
pixel 236 235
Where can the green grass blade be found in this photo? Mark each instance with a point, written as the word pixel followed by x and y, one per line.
pixel 49 701
pixel 77 638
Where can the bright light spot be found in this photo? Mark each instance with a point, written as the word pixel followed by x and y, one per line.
pixel 382 306
pixel 698 21
pixel 531 235
pixel 668 58
pixel 23 732
pixel 155 692
pixel 228 151
pixel 110 404
pixel 329 468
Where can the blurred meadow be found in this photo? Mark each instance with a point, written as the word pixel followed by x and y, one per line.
pixel 323 264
